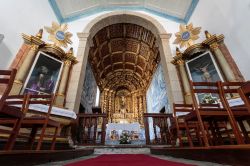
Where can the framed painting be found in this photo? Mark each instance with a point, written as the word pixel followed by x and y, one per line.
pixel 204 69
pixel 44 75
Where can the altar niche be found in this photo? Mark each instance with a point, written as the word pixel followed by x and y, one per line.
pixel 123 108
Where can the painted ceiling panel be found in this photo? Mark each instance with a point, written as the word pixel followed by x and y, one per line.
pixel 177 10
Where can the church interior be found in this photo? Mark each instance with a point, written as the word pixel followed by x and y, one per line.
pixel 121 82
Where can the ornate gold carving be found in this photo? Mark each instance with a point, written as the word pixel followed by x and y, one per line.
pixel 32 40
pixel 178 59
pixel 67 62
pixel 210 39
pixel 131 52
pixel 187 35
pixel 59 94
pixel 207 34
pixel 40 34
pixel 18 82
pixel 34 47
pixel 214 46
pixel 58 34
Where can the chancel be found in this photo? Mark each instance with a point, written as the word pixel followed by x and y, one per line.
pixel 121 82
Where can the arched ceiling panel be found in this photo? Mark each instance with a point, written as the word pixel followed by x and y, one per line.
pixel 124 55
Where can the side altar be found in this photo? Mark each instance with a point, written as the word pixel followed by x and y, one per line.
pixel 208 61
pixel 44 68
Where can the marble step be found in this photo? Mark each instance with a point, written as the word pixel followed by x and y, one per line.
pixel 122 151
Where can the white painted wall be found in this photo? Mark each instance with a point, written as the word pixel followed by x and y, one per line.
pixel 231 18
pixel 16 17
pixel 228 17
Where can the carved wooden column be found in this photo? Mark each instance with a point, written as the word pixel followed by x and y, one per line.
pixel 34 42
pixel 60 96
pixel 212 42
pixel 231 61
pixel 180 65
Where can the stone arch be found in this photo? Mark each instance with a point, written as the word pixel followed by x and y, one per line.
pixel 85 41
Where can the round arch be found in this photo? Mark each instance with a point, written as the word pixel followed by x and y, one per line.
pixel 85 42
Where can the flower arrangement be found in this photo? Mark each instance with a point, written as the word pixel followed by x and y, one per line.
pixel 125 138
pixel 209 99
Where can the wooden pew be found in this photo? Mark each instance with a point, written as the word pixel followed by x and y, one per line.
pixel 210 113
pixel 6 81
pixel 237 110
pixel 179 126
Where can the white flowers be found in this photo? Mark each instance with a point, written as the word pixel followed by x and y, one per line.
pixel 209 99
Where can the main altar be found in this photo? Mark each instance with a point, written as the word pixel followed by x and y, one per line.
pixel 116 131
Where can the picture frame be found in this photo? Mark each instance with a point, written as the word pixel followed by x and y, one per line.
pixel 44 75
pixel 203 68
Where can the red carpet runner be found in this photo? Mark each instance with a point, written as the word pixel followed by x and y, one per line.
pixel 126 160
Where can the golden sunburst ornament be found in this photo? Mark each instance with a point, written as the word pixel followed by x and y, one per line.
pixel 58 34
pixel 187 35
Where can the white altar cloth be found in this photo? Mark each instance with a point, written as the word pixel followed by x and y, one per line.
pixel 54 111
pixel 123 126
pixel 44 108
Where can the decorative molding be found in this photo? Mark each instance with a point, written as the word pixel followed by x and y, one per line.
pixel 138 7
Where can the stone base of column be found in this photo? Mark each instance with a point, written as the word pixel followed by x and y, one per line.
pixel 16 88
pixel 59 100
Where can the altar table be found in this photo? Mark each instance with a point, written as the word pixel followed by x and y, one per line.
pixel 123 126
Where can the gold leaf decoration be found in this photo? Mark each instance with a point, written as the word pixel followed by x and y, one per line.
pixel 187 35
pixel 58 34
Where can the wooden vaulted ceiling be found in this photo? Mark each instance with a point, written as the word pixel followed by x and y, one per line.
pixel 124 56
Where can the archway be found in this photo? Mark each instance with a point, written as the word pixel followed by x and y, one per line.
pixel 85 42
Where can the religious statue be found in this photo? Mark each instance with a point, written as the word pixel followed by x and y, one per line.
pixel 123 109
pixel 206 76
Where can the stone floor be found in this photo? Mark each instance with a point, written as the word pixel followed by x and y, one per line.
pixel 106 150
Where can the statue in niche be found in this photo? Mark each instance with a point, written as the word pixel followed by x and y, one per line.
pixel 123 109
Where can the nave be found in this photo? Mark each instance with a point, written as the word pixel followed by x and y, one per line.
pixel 137 80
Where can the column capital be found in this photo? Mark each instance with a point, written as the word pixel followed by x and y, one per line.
pixel 34 47
pixel 214 46
pixel 67 62
pixel 82 36
pixel 180 62
pixel 165 35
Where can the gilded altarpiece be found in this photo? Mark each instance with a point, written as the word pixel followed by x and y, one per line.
pixel 123 106
pixel 207 61
pixel 32 47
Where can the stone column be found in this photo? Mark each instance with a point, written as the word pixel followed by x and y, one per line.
pixel 185 81
pixel 223 62
pixel 24 70
pixel 78 74
pixel 60 96
pixel 174 92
